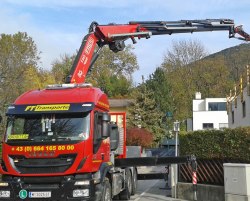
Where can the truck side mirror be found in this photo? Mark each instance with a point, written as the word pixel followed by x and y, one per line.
pixel 114 137
pixel 102 129
pixel 105 125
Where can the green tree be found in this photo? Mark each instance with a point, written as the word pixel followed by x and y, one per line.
pixel 18 57
pixel 236 58
pixel 179 65
pixel 115 87
pixel 211 77
pixel 145 113
pixel 182 54
pixel 188 71
pixel 163 95
pixel 36 78
pixel 61 67
pixel 19 70
pixel 161 87
pixel 112 72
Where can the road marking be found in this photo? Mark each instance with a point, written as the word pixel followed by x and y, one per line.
pixel 144 192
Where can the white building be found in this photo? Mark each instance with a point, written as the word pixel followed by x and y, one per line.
pixel 209 113
pixel 239 110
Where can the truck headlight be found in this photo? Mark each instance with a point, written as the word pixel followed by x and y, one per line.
pixel 81 193
pixel 4 184
pixel 4 194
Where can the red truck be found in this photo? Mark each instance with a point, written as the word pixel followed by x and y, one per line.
pixel 60 143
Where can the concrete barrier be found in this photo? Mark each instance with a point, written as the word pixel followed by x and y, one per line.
pixel 204 192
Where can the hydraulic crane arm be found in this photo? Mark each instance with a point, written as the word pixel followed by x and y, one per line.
pixel 244 36
pixel 115 35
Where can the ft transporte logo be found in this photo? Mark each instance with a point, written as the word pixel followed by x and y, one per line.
pixel 42 108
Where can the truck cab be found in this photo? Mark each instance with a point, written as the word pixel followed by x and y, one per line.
pixel 58 138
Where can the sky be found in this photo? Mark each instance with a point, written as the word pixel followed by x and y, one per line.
pixel 58 26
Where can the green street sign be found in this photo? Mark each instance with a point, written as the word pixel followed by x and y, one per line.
pixel 23 194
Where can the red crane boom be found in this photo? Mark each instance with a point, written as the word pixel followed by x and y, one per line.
pixel 115 35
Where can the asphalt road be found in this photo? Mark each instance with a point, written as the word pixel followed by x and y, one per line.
pixel 150 190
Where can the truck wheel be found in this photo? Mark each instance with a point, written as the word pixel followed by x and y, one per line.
pixel 106 194
pixel 134 181
pixel 125 194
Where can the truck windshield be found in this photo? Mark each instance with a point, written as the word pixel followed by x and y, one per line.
pixel 48 127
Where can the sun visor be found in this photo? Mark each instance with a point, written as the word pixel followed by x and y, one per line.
pixel 50 108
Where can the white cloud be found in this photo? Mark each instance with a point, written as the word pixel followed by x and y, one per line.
pixel 55 44
pixel 10 22
pixel 50 42
pixel 175 8
pixel 69 3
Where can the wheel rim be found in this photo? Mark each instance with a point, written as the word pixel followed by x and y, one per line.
pixel 135 179
pixel 107 194
pixel 130 184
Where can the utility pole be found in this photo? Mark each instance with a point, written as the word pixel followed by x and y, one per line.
pixel 176 130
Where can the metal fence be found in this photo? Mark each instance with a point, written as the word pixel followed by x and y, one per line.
pixel 210 171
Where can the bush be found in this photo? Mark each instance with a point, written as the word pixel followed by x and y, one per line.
pixel 139 137
pixel 208 144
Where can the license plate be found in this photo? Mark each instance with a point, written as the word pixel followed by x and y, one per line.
pixel 44 194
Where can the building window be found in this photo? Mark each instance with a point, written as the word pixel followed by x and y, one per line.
pixel 232 117
pixel 207 126
pixel 217 106
pixel 243 109
pixel 223 126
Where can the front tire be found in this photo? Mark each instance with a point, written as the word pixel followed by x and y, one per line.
pixel 125 194
pixel 106 194
pixel 134 181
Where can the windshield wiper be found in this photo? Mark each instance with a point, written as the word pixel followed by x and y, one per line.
pixel 63 138
pixel 19 140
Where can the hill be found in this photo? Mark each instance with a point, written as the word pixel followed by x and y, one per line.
pixel 236 59
pixel 244 47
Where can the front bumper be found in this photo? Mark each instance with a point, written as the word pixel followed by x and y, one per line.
pixel 54 189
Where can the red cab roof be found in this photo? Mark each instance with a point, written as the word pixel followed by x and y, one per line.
pixel 64 95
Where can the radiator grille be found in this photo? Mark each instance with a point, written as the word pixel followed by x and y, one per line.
pixel 42 165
